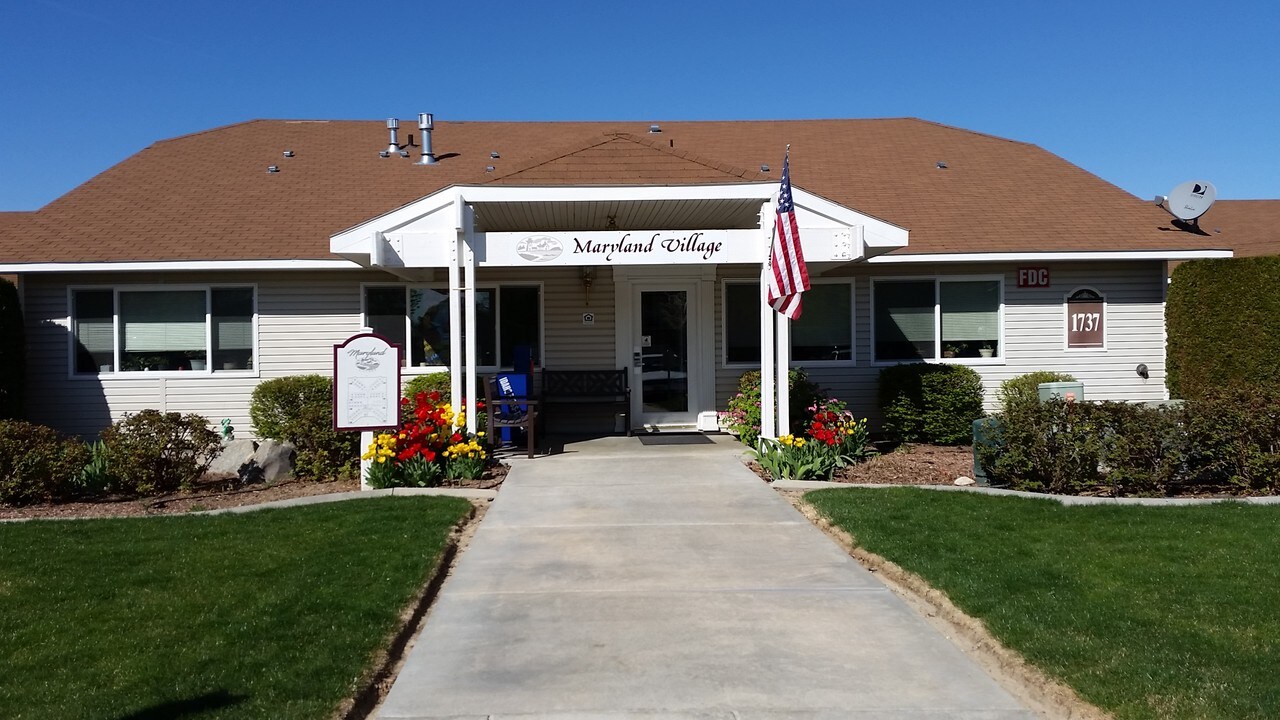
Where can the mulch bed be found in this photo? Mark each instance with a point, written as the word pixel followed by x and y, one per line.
pixel 214 494
pixel 906 465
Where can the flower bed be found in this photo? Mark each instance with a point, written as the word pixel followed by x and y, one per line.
pixel 832 439
pixel 431 446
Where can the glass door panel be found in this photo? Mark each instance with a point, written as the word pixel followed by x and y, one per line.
pixel 664 349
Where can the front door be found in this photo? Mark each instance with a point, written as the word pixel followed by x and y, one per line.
pixel 665 344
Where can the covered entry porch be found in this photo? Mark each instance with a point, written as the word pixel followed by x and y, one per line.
pixel 621 278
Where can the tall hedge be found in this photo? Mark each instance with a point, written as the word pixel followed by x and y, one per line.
pixel 924 402
pixel 1223 323
pixel 12 352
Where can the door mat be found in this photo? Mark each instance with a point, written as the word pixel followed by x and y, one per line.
pixel 675 439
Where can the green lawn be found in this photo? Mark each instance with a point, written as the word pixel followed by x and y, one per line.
pixel 1147 612
pixel 270 614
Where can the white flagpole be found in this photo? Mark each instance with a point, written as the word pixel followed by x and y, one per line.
pixel 784 375
pixel 767 427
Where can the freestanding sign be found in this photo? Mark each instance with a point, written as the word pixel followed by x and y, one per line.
pixel 366 383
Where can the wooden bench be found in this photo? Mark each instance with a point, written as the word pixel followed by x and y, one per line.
pixel 587 387
pixel 507 410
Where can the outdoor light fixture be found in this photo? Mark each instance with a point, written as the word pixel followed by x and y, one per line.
pixel 588 276
pixel 1142 371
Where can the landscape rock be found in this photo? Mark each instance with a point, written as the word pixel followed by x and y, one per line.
pixel 273 462
pixel 962 480
pixel 234 459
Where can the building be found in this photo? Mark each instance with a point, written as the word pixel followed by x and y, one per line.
pixel 186 274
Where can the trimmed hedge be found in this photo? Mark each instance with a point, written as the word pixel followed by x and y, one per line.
pixel 1223 323
pixel 12 352
pixel 298 409
pixel 1025 389
pixel 432 382
pixel 931 403
pixel 1224 441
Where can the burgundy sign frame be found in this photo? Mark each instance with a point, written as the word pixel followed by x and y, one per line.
pixel 399 356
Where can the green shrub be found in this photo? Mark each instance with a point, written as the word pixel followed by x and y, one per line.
pixel 12 352
pixel 299 410
pixel 743 415
pixel 37 463
pixel 1226 440
pixel 1223 323
pixel 152 452
pixel 433 382
pixel 924 402
pixel 1234 439
pixel 1024 389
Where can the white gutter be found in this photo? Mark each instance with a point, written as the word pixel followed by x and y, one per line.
pixel 891 259
pixel 52 267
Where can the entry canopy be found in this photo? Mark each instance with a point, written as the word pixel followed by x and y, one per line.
pixel 506 226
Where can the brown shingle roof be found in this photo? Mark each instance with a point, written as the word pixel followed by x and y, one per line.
pixel 208 195
pixel 1249 227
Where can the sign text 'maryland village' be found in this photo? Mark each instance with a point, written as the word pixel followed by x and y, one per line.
pixel 691 243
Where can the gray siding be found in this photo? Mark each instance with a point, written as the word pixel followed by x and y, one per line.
pixel 302 315
pixel 1033 332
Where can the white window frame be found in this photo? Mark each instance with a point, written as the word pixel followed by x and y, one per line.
pixel 408 369
pixel 853 325
pixel 937 320
pixel 118 373
pixel 1066 321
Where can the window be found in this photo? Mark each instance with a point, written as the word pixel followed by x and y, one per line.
pixel 143 330
pixel 824 332
pixel 508 323
pixel 935 318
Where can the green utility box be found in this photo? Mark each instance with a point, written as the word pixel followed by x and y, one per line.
pixel 1070 391
pixel 986 433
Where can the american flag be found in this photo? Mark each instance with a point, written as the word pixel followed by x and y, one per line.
pixel 788 277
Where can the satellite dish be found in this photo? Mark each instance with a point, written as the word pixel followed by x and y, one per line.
pixel 1191 199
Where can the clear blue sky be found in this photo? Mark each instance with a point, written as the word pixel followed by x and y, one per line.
pixel 1144 94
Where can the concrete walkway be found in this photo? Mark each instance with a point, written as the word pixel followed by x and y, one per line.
pixel 623 581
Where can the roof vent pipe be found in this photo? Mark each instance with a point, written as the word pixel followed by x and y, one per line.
pixel 393 125
pixel 426 122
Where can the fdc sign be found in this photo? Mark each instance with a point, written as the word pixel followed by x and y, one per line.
pixel 1032 277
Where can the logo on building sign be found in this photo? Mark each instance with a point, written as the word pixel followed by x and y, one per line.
pixel 539 248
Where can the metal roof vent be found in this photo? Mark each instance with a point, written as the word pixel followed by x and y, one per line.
pixel 426 123
pixel 655 128
pixel 764 168
pixel 393 126
pixel 273 168
pixel 941 165
pixel 489 168
pixel 494 155
pixel 288 153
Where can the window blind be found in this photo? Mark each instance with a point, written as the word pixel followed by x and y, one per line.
pixel 164 321
pixel 970 311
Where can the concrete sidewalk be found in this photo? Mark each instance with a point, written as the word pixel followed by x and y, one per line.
pixel 625 581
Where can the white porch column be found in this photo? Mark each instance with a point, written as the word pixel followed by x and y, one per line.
pixel 469 267
pixel 455 320
pixel 767 407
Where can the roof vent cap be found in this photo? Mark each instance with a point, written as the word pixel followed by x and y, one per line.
pixel 273 168
pixel 764 168
pixel 941 165
pixel 655 128
pixel 494 155
pixel 288 153
pixel 489 168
